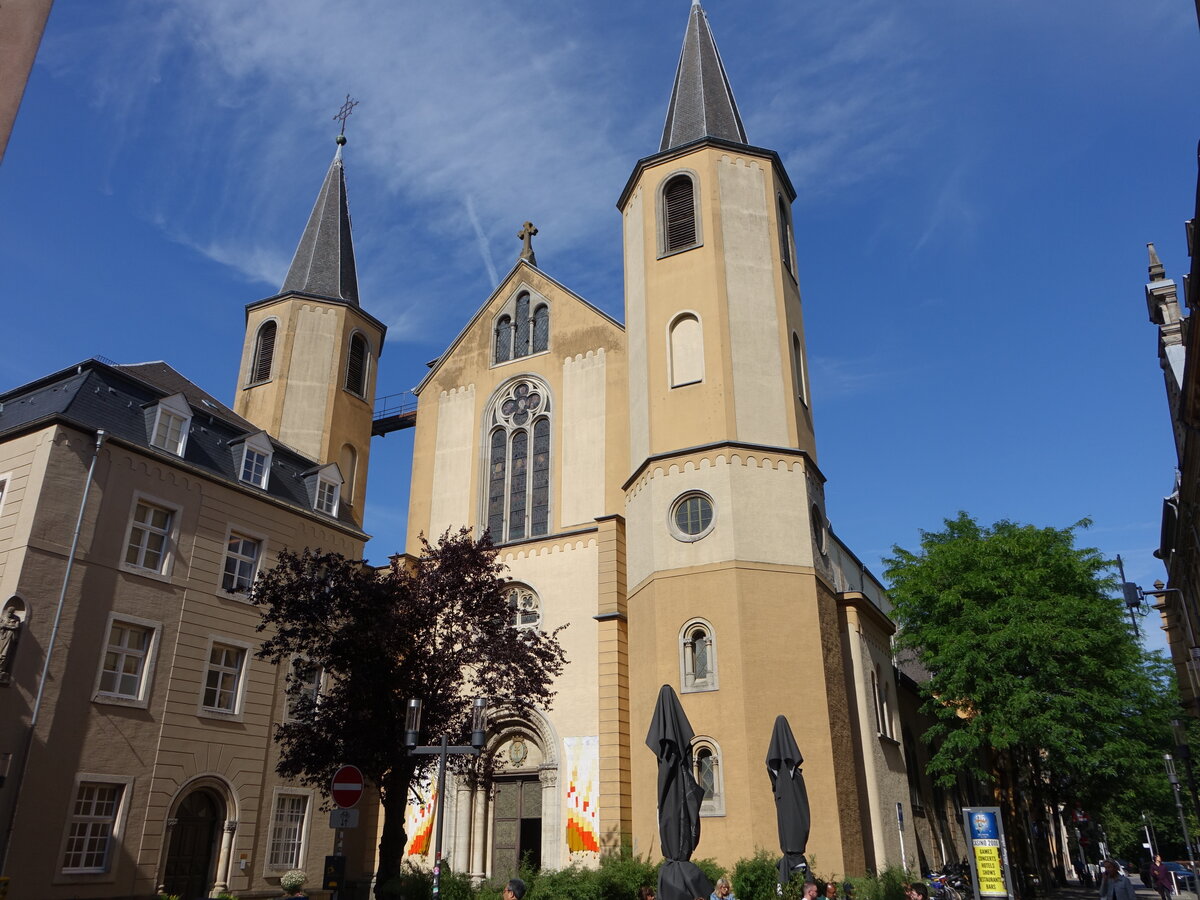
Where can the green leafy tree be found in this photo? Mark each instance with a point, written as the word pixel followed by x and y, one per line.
pixel 1035 680
pixel 433 627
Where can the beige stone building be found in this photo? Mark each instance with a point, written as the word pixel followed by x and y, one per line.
pixel 654 485
pixel 135 511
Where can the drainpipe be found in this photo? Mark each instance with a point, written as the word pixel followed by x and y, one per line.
pixel 62 598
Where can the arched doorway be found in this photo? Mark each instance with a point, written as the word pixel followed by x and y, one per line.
pixel 192 852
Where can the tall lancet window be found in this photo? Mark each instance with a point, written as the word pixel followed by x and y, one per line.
pixel 678 217
pixel 264 353
pixel 518 480
pixel 522 328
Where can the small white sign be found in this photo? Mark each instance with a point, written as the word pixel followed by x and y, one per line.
pixel 343 818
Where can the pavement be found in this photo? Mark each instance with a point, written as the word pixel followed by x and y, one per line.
pixel 1073 890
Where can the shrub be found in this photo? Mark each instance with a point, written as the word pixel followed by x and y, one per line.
pixel 756 878
pixel 621 874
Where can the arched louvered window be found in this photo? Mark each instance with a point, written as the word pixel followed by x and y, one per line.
pixel 541 328
pixel 356 366
pixel 785 236
pixel 503 340
pixel 697 657
pixel 264 353
pixel 518 479
pixel 798 369
pixel 679 214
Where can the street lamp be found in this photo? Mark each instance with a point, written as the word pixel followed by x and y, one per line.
pixel 1174 779
pixel 412 735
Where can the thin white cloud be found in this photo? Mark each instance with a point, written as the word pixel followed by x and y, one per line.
pixel 485 250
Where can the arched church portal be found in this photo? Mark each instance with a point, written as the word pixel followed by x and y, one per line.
pixel 199 834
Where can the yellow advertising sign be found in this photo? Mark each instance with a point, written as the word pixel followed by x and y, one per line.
pixel 990 869
pixel 986 836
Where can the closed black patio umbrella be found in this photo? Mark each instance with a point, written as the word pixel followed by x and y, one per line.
pixel 791 800
pixel 679 796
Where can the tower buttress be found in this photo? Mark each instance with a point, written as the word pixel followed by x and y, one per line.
pixel 310 353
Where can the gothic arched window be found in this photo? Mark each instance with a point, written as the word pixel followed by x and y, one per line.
pixel 686 340
pixel 541 328
pixel 264 353
pixel 518 480
pixel 503 340
pixel 785 236
pixel 697 657
pixel 520 331
pixel 524 606
pixel 706 766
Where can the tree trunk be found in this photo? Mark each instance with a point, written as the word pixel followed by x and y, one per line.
pixel 393 837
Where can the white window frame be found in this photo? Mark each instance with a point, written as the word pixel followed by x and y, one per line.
pixel 256 443
pixel 270 868
pixel 246 535
pixel 63 873
pixel 5 481
pixel 163 573
pixel 715 806
pixel 239 693
pixel 329 475
pixel 142 699
pixel 300 662
pixel 687 680
pixel 177 406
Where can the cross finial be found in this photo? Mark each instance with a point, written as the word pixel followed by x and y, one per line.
pixel 526 235
pixel 342 115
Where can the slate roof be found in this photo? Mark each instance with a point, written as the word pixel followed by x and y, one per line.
pixel 121 400
pixel 702 103
pixel 324 262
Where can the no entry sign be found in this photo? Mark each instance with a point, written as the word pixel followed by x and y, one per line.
pixel 347 786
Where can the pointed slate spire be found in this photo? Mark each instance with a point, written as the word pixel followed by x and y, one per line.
pixel 702 103
pixel 324 260
pixel 1157 272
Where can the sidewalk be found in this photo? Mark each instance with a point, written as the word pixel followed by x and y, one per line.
pixel 1076 891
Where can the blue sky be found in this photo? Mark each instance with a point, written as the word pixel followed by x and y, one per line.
pixel 977 182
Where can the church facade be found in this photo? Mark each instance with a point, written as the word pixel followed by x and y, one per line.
pixel 654 486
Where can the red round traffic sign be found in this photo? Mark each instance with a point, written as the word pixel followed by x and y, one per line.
pixel 347 787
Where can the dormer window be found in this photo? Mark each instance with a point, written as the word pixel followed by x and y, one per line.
pixel 254 464
pixel 172 417
pixel 325 488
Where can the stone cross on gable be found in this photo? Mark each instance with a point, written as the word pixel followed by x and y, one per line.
pixel 526 235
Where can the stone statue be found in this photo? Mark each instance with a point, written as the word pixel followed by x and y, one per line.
pixel 10 629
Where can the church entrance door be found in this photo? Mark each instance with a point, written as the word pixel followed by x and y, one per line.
pixel 516 826
pixel 189 868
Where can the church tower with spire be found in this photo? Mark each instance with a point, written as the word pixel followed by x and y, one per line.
pixel 309 359
pixel 736 587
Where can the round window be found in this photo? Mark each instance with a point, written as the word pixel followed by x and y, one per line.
pixel 692 517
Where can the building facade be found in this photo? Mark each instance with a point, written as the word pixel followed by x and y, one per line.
pixel 135 512
pixel 654 485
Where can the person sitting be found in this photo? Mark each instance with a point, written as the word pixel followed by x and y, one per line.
pixel 514 889
pixel 723 890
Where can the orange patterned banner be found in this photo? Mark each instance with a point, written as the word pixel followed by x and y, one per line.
pixel 583 788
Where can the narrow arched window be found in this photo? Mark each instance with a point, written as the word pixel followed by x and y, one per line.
pixel 697 657
pixel 264 354
pixel 348 463
pixel 686 351
pixel 503 339
pixel 518 475
pixel 541 328
pixel 785 236
pixel 798 368
pixel 356 366
pixel 679 214
pixel 521 327
pixel 706 766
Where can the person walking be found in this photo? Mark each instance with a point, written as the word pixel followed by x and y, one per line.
pixel 1113 884
pixel 1160 878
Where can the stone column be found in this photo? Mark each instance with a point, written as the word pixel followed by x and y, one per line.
pixel 552 831
pixel 223 858
pixel 460 850
pixel 166 854
pixel 479 814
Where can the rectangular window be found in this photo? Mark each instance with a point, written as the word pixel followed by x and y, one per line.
pixel 327 497
pixel 148 537
pixel 169 431
pixel 124 670
pixel 287 831
pixel 91 827
pixel 254 467
pixel 223 678
pixel 309 678
pixel 241 563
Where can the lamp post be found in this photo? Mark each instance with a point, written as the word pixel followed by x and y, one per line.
pixel 1174 779
pixel 412 735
